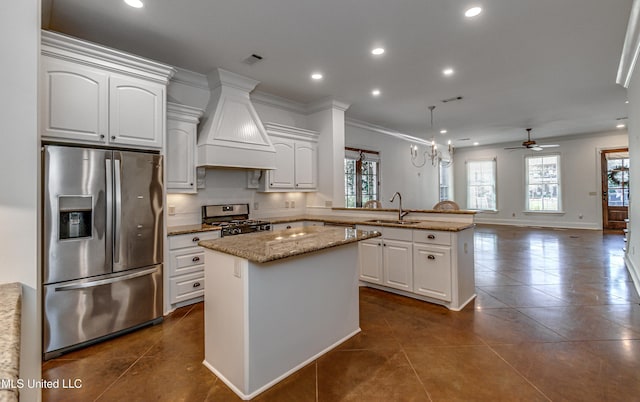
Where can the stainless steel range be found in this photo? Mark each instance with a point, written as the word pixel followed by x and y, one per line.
pixel 233 218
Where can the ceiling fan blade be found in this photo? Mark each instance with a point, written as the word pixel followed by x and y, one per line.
pixel 549 146
pixel 535 148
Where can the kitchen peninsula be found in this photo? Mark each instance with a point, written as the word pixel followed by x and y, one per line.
pixel 275 301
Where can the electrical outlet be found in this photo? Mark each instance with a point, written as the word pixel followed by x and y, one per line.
pixel 328 204
pixel 580 216
pixel 256 206
pixel 293 204
pixel 286 204
pixel 172 210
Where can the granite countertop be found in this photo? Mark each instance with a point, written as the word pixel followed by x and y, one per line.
pixel 420 224
pixel 263 247
pixel 10 313
pixel 187 229
pixel 425 211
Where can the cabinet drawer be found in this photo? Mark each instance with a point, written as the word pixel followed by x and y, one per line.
pixel 186 261
pixel 191 240
pixel 432 237
pixel 397 234
pixel 185 287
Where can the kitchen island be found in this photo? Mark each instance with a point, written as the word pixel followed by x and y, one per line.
pixel 275 301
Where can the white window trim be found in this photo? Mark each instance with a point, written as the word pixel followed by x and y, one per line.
pixel 560 210
pixel 495 178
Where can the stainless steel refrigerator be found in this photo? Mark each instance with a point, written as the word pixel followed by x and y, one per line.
pixel 102 244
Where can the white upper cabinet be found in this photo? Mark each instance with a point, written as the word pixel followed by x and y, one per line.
pixel 306 162
pixel 74 101
pixel 296 159
pixel 136 112
pixel 283 176
pixel 96 95
pixel 182 122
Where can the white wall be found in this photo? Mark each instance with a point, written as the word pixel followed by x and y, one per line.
pixel 633 255
pixel 580 175
pixel 418 185
pixel 19 164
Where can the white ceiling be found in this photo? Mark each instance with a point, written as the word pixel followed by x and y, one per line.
pixel 546 64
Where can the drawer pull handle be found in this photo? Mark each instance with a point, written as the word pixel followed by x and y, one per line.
pixel 195 259
pixel 431 257
pixel 431 236
pixel 195 239
pixel 196 285
pixel 288 226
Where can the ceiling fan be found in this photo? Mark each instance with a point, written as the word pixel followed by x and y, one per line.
pixel 531 144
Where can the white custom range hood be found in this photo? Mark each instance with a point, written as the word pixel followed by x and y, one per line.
pixel 233 135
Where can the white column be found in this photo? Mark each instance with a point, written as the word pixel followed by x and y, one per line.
pixel 327 117
pixel 20 177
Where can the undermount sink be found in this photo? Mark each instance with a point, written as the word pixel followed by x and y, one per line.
pixel 394 221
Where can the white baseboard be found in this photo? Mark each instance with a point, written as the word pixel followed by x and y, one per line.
pixel 537 223
pixel 633 271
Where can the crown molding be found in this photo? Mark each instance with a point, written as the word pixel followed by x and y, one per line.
pixel 190 78
pixel 382 130
pixel 630 48
pixel 177 111
pixel 68 48
pixel 279 102
pixel 327 104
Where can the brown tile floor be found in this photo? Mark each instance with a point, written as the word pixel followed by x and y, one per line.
pixel 556 318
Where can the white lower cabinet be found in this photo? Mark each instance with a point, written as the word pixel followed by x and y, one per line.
pixel 435 266
pixel 432 271
pixel 387 260
pixel 186 267
pixel 370 260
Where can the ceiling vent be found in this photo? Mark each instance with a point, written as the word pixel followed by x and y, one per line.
pixel 455 98
pixel 253 59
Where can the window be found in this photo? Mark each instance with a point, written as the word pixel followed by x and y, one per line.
pixel 543 183
pixel 481 184
pixel 446 188
pixel 362 173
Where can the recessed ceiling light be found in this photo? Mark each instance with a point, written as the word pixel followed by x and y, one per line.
pixel 448 71
pixel 626 101
pixel 316 76
pixel 620 126
pixel 473 12
pixel 134 3
pixel 443 131
pixel 375 92
pixel 476 143
pixel 377 51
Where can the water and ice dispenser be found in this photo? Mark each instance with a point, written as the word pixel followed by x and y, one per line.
pixel 75 214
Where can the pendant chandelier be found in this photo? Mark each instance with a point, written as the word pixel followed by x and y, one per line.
pixel 432 153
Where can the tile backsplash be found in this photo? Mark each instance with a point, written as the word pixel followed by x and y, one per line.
pixel 229 186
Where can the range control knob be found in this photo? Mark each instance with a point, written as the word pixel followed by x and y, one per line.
pixel 236 231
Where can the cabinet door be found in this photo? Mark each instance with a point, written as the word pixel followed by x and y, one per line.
pixel 136 112
pixel 306 157
pixel 74 102
pixel 370 260
pixel 283 175
pixel 398 264
pixel 432 271
pixel 181 144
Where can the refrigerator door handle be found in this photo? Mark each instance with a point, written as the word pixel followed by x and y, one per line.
pixel 85 285
pixel 117 210
pixel 109 210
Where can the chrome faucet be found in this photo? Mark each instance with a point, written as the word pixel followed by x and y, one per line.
pixel 401 213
